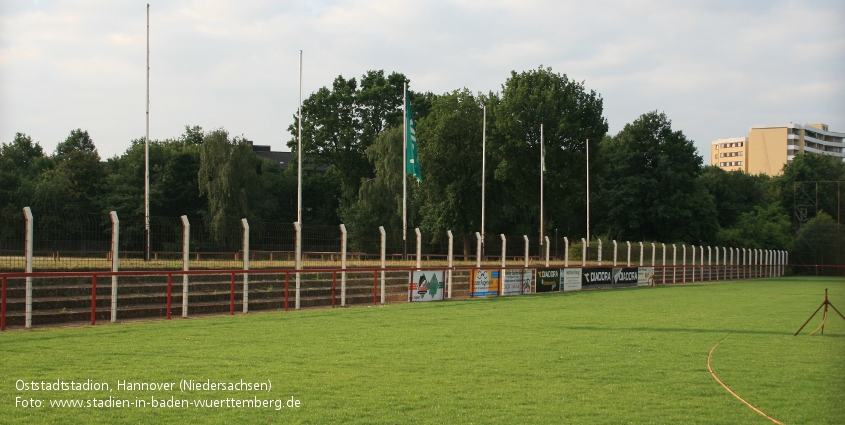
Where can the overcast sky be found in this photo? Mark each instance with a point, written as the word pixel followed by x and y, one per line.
pixel 715 68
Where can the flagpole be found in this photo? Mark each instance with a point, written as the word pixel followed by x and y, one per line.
pixel 299 150
pixel 483 169
pixel 588 192
pixel 405 170
pixel 542 172
pixel 147 152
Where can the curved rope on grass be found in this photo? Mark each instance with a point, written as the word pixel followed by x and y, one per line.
pixel 731 391
pixel 824 319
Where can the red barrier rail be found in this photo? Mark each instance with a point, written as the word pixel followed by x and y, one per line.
pixel 287 272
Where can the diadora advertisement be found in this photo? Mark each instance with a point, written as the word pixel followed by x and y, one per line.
pixel 548 280
pixel 484 283
pixel 596 276
pixel 625 276
pixel 426 286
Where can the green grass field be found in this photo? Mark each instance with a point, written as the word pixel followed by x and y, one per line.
pixel 607 356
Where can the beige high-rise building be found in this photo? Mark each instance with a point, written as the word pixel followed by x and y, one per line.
pixel 769 147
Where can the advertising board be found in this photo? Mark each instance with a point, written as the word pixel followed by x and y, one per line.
pixel 425 286
pixel 484 283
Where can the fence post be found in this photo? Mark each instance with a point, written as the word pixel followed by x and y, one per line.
pixel 664 263
pixel 774 263
pixel 28 243
pixel 565 251
pixel 115 238
pixel 298 226
pixel 504 253
pixel 755 269
pixel 583 252
pixel 765 255
pixel 343 265
pixel 730 262
pixel 526 249
pixel 383 260
pixel 451 247
pixel 674 261
pixel 614 252
pixel 709 264
pixel 599 259
pixel 653 253
pixel 785 260
pixel 717 263
pixel 684 264
pixel 769 262
pixel 547 250
pixel 478 249
pixel 701 264
pixel 186 259
pixel 766 263
pixel 692 263
pixel 245 225
pixel 629 252
pixel 419 247
pixel 725 261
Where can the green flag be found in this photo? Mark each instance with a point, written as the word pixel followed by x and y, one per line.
pixel 411 158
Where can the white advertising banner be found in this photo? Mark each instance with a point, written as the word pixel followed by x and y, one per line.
pixel 518 282
pixel 572 279
pixel 426 286
pixel 645 276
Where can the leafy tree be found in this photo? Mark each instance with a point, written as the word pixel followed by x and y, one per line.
pixel 650 189
pixel 174 186
pixel 77 141
pixel 340 123
pixel 229 175
pixel 379 201
pixel 570 115
pixel 75 182
pixel 451 138
pixel 734 192
pixel 796 185
pixel 21 162
pixel 820 241
pixel 764 227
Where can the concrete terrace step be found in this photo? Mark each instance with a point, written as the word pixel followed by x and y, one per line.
pixel 58 301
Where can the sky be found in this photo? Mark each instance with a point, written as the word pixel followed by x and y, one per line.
pixel 715 68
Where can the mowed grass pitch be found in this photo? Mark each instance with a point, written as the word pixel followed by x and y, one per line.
pixel 606 356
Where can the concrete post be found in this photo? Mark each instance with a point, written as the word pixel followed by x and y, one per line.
pixel 186 260
pixel 115 243
pixel 245 225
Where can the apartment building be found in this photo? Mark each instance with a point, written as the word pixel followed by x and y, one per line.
pixel 769 147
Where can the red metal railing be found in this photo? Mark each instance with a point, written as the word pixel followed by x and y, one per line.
pixel 752 273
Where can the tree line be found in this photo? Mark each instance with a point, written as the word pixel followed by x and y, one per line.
pixel 648 182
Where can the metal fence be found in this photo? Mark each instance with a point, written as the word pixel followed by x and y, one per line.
pixel 67 242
